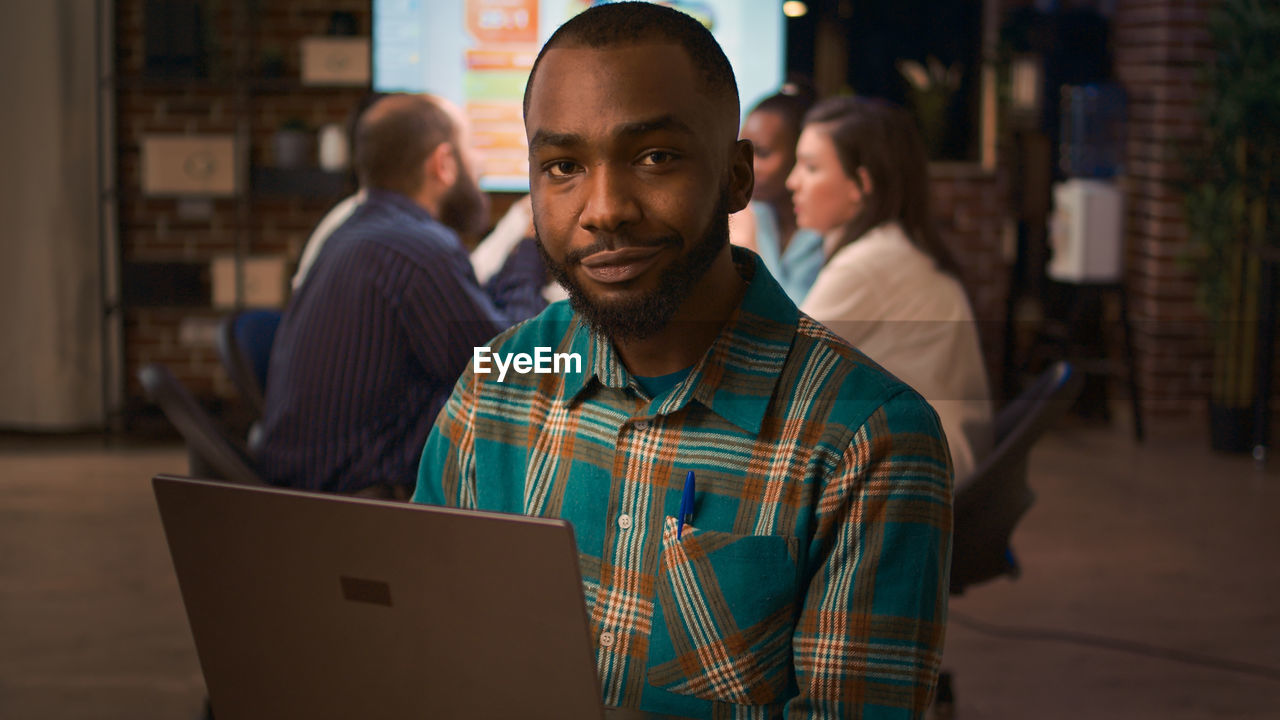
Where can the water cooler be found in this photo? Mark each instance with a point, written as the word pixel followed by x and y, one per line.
pixel 1086 224
pixel 1086 227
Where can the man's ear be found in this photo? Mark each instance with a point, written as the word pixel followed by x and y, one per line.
pixel 442 165
pixel 742 175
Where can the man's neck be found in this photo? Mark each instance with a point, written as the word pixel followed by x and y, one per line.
pixel 428 198
pixel 694 326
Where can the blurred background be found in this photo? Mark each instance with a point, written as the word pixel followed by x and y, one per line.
pixel 1102 170
pixel 166 165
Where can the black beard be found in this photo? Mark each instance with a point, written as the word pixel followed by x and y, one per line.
pixel 643 317
pixel 464 208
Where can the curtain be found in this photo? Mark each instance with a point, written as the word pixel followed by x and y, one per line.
pixel 51 320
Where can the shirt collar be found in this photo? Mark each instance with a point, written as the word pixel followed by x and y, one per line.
pixel 376 196
pixel 738 374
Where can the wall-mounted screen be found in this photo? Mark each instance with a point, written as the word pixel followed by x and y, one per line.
pixel 478 54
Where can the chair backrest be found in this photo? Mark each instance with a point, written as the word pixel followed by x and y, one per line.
pixel 213 453
pixel 244 345
pixel 989 503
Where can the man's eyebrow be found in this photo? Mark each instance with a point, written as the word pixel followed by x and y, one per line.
pixel 543 139
pixel 664 122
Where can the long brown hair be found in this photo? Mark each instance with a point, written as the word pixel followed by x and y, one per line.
pixel 882 137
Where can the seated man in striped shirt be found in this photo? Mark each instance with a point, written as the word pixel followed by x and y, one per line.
pixel 370 346
pixel 809 576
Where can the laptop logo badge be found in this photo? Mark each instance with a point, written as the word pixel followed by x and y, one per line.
pixel 374 592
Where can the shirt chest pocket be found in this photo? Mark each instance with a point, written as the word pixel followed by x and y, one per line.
pixel 724 616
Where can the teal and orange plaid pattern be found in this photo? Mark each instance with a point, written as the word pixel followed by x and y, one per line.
pixel 812 581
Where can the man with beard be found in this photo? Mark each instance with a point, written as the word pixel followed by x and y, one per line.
pixel 808 576
pixel 372 342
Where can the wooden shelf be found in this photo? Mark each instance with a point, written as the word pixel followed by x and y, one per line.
pixel 290 84
pixel 172 83
pixel 306 182
pixel 165 284
pixel 256 84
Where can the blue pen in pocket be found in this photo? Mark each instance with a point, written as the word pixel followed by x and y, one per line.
pixel 686 505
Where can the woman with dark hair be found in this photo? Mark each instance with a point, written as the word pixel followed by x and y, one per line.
pixel 768 225
pixel 889 284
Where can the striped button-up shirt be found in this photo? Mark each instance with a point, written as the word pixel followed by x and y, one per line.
pixel 371 344
pixel 812 579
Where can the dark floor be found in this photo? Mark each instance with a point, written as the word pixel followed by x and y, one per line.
pixel 1166 547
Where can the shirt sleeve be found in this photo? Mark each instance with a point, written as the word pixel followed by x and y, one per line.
pixel 868 642
pixel 446 314
pixel 446 473
pixel 516 289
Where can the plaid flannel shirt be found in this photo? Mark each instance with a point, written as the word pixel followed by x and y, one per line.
pixel 812 580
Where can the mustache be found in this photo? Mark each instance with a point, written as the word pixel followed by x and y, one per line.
pixel 614 241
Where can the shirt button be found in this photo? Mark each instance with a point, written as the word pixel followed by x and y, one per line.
pixel 642 425
pixel 606 639
pixel 624 522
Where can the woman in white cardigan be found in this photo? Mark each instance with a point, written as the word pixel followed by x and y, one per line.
pixel 889 285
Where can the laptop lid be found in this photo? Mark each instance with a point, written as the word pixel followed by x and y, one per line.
pixel 322 606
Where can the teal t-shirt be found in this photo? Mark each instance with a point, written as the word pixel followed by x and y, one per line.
pixel 658 386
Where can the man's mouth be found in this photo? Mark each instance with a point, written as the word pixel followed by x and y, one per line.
pixel 621 265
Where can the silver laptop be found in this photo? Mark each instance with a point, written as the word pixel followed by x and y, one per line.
pixel 319 606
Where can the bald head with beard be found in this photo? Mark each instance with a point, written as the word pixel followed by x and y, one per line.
pixel 395 138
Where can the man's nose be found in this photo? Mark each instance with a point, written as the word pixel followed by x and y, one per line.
pixel 610 203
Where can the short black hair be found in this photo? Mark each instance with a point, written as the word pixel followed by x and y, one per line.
pixel 622 24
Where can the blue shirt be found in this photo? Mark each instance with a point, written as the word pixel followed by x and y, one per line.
pixel 796 267
pixel 371 345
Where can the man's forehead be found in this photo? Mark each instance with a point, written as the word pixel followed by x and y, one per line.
pixel 574 85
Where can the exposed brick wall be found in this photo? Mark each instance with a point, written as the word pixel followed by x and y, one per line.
pixel 155 336
pixel 971 207
pixel 232 99
pixel 1159 47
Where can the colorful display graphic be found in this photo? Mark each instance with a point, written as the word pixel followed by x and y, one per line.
pixel 504 44
pixel 478 53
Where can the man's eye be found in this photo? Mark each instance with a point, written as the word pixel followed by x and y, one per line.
pixel 656 157
pixel 561 168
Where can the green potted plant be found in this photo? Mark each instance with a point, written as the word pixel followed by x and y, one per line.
pixel 931 89
pixel 1233 202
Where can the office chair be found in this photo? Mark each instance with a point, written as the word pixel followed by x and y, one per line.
pixel 244 346
pixel 211 451
pixel 991 501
